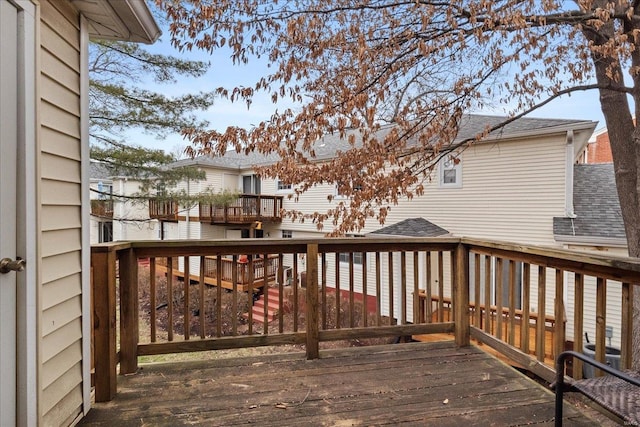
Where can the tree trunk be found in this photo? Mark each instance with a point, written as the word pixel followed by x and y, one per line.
pixel 625 147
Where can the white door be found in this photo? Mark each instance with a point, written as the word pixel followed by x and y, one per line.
pixel 8 177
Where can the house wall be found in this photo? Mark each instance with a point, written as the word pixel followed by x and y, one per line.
pixel 599 151
pixel 510 191
pixel 94 222
pixel 130 217
pixel 60 378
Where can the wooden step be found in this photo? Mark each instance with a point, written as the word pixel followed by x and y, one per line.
pixel 273 306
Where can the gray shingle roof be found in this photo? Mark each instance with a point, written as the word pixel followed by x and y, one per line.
pixel 412 227
pixel 596 205
pixel 328 146
pixel 99 171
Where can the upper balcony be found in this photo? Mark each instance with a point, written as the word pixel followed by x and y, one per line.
pixel 246 209
pixel 102 208
pixel 163 209
pixel 525 304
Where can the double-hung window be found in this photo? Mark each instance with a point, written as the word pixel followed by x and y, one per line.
pixel 451 172
pixel 283 186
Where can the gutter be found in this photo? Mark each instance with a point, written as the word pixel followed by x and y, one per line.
pixel 617 242
pixel 146 20
pixel 569 181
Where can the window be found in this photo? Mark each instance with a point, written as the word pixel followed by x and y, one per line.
pixel 287 234
pixel 105 232
pixel 355 187
pixel 105 191
pixel 282 186
pixel 451 172
pixel 358 257
pixel 251 184
pixel 494 285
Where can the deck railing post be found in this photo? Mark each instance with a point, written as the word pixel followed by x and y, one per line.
pixel 312 302
pixel 129 329
pixel 461 293
pixel 103 265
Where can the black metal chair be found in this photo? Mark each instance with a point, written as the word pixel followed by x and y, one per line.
pixel 618 392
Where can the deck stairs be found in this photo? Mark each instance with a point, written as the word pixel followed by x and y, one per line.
pixel 270 297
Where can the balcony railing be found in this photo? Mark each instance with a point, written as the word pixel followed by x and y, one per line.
pixel 163 209
pixel 102 208
pixel 240 269
pixel 506 296
pixel 246 209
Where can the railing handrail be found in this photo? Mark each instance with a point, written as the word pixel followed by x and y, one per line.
pixel 614 267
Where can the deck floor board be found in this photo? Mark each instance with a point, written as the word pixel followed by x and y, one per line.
pixel 409 384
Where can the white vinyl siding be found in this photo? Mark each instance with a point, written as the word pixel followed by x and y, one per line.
pixel 512 190
pixel 131 217
pixel 61 195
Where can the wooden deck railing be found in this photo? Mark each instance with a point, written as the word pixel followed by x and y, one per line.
pixel 358 288
pixel 246 209
pixel 163 209
pixel 102 208
pixel 262 273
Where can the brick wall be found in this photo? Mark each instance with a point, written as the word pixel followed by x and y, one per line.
pixel 600 151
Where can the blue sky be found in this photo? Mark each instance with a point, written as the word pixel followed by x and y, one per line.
pixel 582 105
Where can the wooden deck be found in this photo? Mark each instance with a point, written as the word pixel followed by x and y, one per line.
pixel 411 384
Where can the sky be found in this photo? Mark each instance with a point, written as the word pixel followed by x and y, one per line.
pixel 579 106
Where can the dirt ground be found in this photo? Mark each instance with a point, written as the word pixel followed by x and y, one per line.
pixel 231 306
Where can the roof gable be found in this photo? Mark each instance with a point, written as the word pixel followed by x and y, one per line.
pixel 411 227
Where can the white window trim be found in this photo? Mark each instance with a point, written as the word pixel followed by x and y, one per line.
pixel 457 167
pixel 286 231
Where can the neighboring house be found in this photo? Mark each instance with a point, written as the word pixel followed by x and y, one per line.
pixel 596 222
pixel 596 225
pixel 599 148
pixel 114 217
pixel 508 187
pixel 102 202
pixel 45 319
pixel 131 220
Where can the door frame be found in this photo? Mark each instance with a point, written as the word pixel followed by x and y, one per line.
pixel 27 210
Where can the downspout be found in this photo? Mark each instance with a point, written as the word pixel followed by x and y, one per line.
pixel 569 164
pixel 569 212
pixel 187 211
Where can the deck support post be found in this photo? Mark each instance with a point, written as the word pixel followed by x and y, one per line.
pixel 461 293
pixel 312 302
pixel 129 328
pixel 103 266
